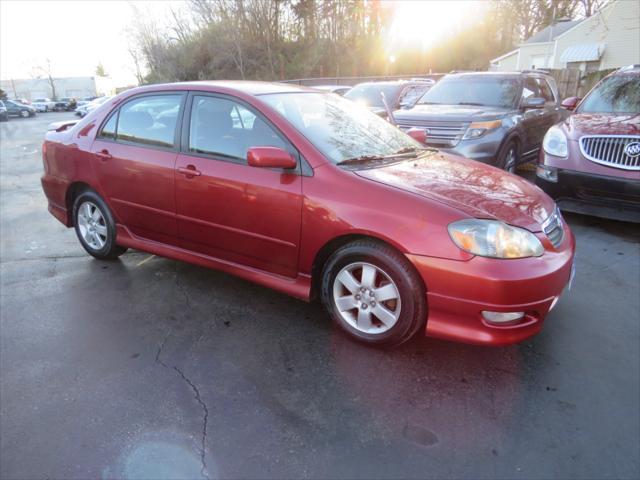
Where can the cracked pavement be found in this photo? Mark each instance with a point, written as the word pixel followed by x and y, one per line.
pixel 149 368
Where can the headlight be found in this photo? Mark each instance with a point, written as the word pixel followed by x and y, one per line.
pixel 491 238
pixel 478 129
pixel 555 142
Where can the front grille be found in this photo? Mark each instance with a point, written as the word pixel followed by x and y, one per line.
pixel 439 134
pixel 553 229
pixel 612 150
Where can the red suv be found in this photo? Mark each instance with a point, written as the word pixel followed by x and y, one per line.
pixel 590 163
pixel 308 193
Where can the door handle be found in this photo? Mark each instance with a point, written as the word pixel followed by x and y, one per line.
pixel 103 154
pixel 189 171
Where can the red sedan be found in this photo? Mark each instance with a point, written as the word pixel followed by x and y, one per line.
pixel 314 196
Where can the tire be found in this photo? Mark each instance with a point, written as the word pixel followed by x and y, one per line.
pixel 392 270
pixel 24 113
pixel 95 226
pixel 509 156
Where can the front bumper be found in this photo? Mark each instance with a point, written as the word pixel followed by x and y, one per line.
pixel 484 149
pixel 458 291
pixel 598 195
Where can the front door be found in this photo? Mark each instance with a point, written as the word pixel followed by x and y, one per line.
pixel 134 157
pixel 225 208
pixel 533 120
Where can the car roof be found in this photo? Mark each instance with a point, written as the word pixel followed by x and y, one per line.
pixel 628 70
pixel 487 74
pixel 388 82
pixel 244 86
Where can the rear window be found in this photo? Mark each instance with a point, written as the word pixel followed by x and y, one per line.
pixel 148 120
pixel 369 94
pixel 617 94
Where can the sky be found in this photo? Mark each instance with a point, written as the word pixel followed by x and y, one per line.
pixel 77 35
pixel 74 35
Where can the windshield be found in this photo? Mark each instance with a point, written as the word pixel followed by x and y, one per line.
pixel 338 128
pixel 369 94
pixel 474 90
pixel 618 94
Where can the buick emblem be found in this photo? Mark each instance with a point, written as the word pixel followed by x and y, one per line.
pixel 427 131
pixel 632 149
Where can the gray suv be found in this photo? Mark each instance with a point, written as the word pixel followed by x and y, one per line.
pixel 495 118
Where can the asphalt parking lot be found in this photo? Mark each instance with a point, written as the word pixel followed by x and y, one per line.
pixel 150 368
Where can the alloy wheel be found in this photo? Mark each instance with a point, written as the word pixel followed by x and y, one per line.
pixel 510 160
pixel 366 298
pixel 92 225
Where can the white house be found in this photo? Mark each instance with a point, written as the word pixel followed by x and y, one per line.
pixel 70 87
pixel 608 39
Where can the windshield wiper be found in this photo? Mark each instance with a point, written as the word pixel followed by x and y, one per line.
pixel 474 104
pixel 407 152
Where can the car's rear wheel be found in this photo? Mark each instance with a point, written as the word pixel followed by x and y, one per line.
pixel 508 158
pixel 373 293
pixel 95 226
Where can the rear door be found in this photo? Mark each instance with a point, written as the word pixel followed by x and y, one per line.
pixel 134 157
pixel 227 209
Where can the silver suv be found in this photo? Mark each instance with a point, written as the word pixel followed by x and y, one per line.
pixel 495 118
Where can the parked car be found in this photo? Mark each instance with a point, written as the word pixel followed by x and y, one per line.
pixel 398 93
pixel 18 109
pixel 43 104
pixel 590 162
pixel 82 110
pixel 494 118
pixel 339 89
pixel 4 116
pixel 315 197
pixel 65 104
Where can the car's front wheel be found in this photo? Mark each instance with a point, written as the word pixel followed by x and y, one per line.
pixel 509 157
pixel 24 113
pixel 95 226
pixel 373 293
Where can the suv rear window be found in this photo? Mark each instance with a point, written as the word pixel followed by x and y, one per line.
pixel 617 94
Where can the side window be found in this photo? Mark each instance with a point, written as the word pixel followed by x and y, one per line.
pixel 530 88
pixel 109 128
pixel 224 127
pixel 412 94
pixel 149 120
pixel 242 118
pixel 545 90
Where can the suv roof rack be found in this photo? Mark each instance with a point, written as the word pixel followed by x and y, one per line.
pixel 626 68
pixel 536 70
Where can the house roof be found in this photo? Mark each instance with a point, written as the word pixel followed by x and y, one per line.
pixel 551 32
pixel 502 57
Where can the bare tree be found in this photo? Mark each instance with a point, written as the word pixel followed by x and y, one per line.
pixel 46 71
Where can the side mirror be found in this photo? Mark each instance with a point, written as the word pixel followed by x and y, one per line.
pixel 417 134
pixel 532 102
pixel 270 157
pixel 570 103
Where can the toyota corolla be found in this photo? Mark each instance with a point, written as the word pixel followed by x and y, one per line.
pixel 312 195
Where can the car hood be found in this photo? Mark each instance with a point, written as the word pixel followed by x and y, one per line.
pixel 580 124
pixel 476 189
pixel 460 113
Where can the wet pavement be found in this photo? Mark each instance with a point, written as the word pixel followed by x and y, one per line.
pixel 150 368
